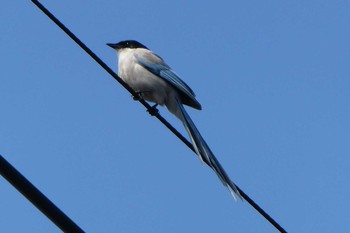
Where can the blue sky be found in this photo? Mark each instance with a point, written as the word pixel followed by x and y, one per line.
pixel 273 78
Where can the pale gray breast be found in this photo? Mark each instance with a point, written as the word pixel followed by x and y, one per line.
pixel 152 87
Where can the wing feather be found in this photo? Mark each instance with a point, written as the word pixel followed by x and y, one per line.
pixel 157 66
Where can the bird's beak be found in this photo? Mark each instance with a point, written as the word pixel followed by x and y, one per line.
pixel 114 46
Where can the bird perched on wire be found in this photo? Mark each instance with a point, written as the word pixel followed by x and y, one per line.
pixel 149 76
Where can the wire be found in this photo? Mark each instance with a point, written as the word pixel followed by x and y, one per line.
pixel 37 198
pixel 144 103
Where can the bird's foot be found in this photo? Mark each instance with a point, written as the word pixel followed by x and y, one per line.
pixel 137 96
pixel 153 110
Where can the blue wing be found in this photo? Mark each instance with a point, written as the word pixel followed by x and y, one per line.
pixel 157 66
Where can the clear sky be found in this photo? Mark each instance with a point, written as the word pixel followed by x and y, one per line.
pixel 273 78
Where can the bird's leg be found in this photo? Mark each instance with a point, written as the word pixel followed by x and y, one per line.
pixel 153 110
pixel 138 95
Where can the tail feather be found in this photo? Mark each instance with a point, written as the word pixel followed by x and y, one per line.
pixel 204 153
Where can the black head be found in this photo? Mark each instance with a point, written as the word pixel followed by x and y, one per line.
pixel 131 44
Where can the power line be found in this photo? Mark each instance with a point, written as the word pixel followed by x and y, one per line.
pixel 37 198
pixel 148 107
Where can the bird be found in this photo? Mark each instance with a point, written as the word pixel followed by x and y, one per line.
pixel 154 81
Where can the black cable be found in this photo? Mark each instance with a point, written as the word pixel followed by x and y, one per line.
pixel 144 103
pixel 38 199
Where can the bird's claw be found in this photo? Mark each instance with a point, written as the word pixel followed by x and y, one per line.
pixel 153 110
pixel 137 96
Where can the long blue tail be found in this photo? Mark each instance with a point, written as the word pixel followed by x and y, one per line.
pixel 204 152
